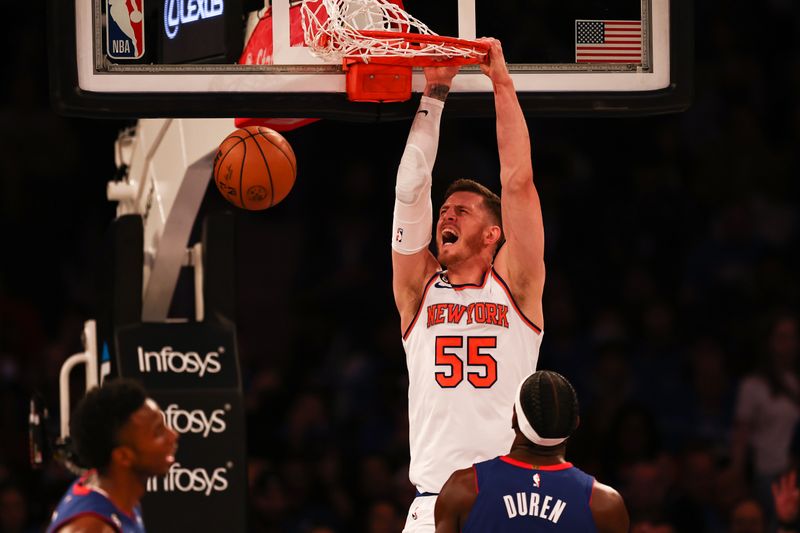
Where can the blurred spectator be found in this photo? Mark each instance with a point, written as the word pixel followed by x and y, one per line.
pixel 308 423
pixel 14 510
pixel 375 481
pixel 632 439
pixel 657 364
pixel 767 408
pixel 748 517
pixel 321 529
pixel 330 477
pixel 645 487
pixel 610 386
pixel 268 500
pixel 383 517
pixel 708 406
pixel 695 504
pixel 730 488
pixel 646 526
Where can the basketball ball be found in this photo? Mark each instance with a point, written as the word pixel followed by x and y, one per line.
pixel 254 168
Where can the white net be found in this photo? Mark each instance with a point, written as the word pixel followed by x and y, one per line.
pixel 335 29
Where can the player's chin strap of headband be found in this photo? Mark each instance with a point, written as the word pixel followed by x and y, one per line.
pixel 525 426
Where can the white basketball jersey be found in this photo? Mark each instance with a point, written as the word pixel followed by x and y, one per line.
pixel 467 350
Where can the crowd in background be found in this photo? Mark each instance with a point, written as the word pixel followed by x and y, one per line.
pixel 671 302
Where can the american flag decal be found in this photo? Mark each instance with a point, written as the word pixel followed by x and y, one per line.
pixel 608 41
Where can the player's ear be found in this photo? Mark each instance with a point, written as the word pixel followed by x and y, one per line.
pixel 492 234
pixel 122 455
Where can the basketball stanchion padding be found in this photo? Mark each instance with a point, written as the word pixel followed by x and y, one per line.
pixel 379 43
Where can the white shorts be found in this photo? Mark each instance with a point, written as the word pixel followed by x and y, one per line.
pixel 420 515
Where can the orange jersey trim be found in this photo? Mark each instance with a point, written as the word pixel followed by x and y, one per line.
pixel 528 466
pixel 421 303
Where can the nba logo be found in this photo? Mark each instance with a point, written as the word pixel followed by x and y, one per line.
pixel 125 29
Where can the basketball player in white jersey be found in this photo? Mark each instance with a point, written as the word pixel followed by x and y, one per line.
pixel 471 317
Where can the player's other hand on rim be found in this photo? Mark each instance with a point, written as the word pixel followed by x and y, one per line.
pixel 440 75
pixel 494 65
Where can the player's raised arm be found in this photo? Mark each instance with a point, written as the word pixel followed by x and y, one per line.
pixel 455 501
pixel 521 260
pixel 412 262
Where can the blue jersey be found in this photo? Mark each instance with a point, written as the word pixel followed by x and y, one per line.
pixel 82 501
pixel 518 497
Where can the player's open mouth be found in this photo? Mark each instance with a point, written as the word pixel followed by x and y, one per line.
pixel 449 237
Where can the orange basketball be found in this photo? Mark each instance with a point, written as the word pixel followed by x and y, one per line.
pixel 255 168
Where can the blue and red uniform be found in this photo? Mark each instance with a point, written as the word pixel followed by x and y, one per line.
pixel 81 500
pixel 517 497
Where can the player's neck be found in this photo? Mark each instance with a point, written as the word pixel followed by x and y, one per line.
pixel 536 456
pixel 123 488
pixel 470 271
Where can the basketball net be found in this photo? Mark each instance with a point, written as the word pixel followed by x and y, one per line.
pixel 378 43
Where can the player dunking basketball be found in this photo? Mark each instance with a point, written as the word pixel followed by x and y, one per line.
pixel 471 332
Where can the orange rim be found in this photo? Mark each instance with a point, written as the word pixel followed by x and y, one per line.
pixel 415 41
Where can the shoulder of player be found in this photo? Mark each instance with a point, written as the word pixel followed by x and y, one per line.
pixel 87 523
pixel 460 488
pixel 608 509
pixel 455 501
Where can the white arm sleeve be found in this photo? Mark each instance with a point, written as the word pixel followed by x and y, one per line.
pixel 413 211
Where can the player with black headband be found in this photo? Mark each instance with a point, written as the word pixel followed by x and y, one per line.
pixel 533 488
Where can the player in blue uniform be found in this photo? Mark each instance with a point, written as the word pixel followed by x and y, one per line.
pixel 120 435
pixel 532 488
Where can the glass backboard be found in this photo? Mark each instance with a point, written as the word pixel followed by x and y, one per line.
pixel 217 58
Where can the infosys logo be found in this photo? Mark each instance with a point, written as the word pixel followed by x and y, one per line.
pixel 169 360
pixel 180 479
pixel 195 421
